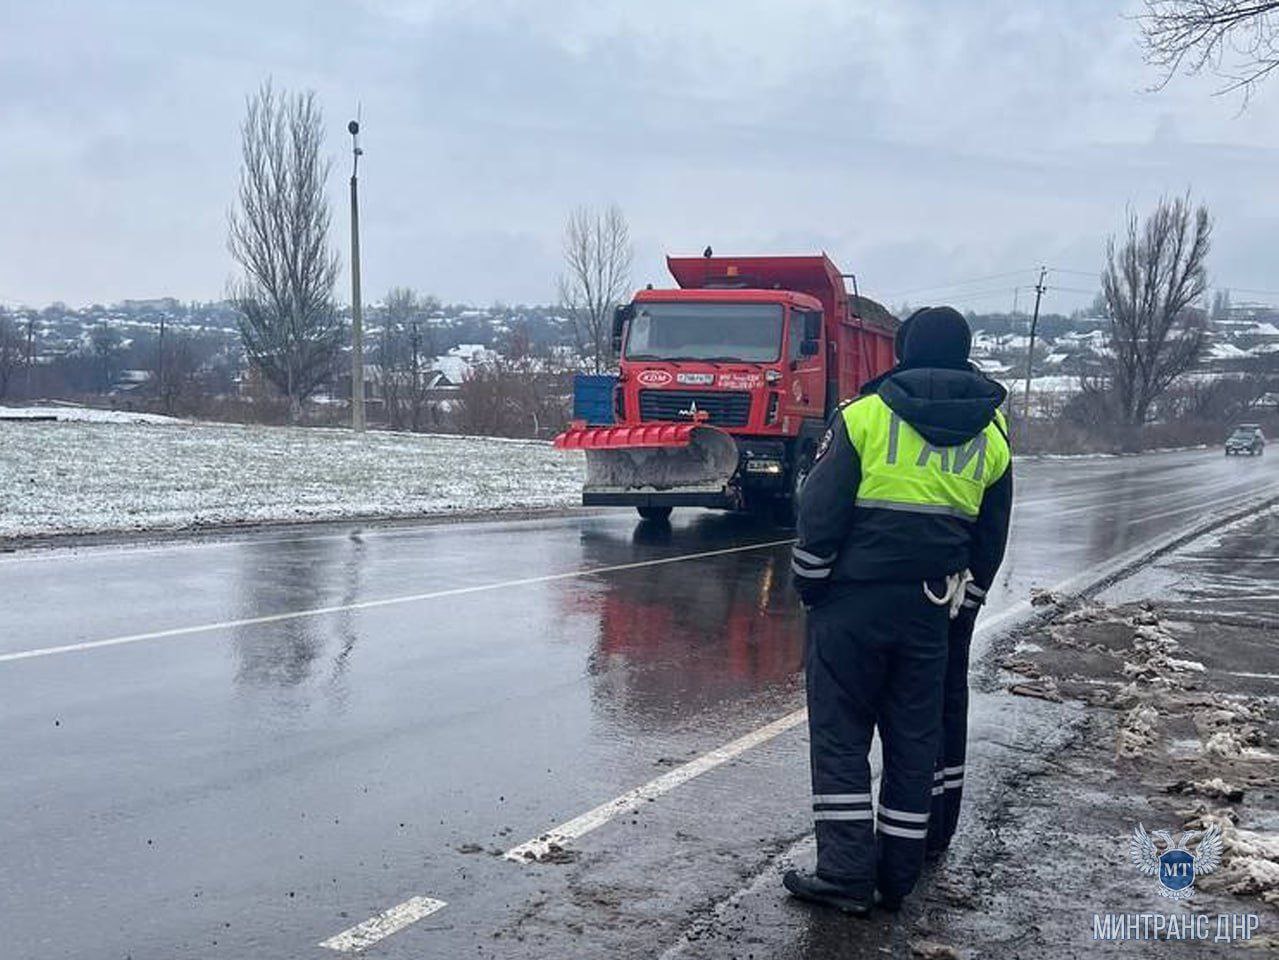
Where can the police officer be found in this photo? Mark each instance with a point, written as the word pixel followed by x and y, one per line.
pixel 948 778
pixel 902 520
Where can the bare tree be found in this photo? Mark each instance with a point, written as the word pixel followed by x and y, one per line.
pixel 13 352
pixel 405 350
pixel 1238 40
pixel 1221 400
pixel 1220 306
pixel 279 234
pixel 107 346
pixel 175 372
pixel 1152 284
pixel 597 260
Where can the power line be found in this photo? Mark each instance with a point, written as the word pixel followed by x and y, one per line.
pixel 962 295
pixel 978 294
pixel 1218 286
pixel 1226 286
pixel 959 283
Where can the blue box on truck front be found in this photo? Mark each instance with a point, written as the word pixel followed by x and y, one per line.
pixel 593 398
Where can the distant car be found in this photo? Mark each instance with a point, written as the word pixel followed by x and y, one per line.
pixel 1248 439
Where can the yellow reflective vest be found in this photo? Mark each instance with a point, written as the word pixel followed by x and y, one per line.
pixel 900 470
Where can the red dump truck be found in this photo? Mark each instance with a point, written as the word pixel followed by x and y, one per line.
pixel 725 384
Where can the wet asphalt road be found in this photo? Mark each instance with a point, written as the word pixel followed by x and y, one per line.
pixel 251 789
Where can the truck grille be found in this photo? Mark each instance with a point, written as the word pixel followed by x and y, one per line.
pixel 726 408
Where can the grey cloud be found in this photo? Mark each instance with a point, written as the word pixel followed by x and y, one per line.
pixel 916 142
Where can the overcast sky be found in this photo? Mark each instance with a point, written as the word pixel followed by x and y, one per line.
pixel 919 143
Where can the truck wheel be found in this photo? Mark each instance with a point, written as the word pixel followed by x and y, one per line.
pixel 654 514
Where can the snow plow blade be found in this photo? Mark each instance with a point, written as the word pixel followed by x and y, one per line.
pixel 655 463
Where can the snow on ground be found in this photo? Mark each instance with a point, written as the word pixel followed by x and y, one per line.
pixel 69 414
pixel 89 475
pixel 1051 384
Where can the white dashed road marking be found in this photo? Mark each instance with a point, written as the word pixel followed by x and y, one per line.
pixel 383 925
pixel 628 802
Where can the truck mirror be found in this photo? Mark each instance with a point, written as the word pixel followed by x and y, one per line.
pixel 620 315
pixel 810 348
pixel 812 327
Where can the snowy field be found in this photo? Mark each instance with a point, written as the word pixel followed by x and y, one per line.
pixel 95 472
pixel 69 414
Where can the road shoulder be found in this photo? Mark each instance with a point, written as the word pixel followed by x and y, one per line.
pixel 1155 701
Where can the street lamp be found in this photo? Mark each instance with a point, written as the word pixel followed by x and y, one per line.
pixel 357 310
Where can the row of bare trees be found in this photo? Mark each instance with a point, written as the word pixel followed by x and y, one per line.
pixel 289 322
pixel 1153 282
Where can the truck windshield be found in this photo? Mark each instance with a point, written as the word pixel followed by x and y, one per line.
pixel 705 331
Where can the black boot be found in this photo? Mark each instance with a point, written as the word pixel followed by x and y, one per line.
pixel 810 887
pixel 891 904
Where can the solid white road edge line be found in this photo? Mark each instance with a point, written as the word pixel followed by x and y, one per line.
pixel 373 604
pixel 387 922
pixel 532 850
pixel 631 800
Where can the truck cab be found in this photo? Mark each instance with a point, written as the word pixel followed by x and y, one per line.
pixel 750 360
pixel 725 383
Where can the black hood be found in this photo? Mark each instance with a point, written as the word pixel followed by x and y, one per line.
pixel 872 386
pixel 947 407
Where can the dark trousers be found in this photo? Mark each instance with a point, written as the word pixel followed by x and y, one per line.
pixel 876 657
pixel 948 777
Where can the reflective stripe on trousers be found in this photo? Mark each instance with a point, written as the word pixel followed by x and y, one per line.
pixel 876 654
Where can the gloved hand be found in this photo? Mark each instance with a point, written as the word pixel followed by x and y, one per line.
pixel 966 619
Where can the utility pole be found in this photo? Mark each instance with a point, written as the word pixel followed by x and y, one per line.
pixel 1030 354
pixel 357 310
pixel 31 350
pixel 160 365
pixel 415 400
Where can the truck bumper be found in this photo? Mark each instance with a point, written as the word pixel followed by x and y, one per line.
pixel 724 498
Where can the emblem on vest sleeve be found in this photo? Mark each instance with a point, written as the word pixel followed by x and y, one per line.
pixel 825 443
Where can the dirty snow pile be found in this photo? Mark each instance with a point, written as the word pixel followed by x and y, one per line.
pixel 93 471
pixel 1124 658
pixel 1250 865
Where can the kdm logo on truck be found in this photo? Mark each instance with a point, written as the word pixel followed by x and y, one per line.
pixel 654 378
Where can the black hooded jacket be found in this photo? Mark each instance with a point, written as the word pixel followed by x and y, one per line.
pixel 855 543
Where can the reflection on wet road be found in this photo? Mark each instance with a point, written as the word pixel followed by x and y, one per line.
pixel 252 789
